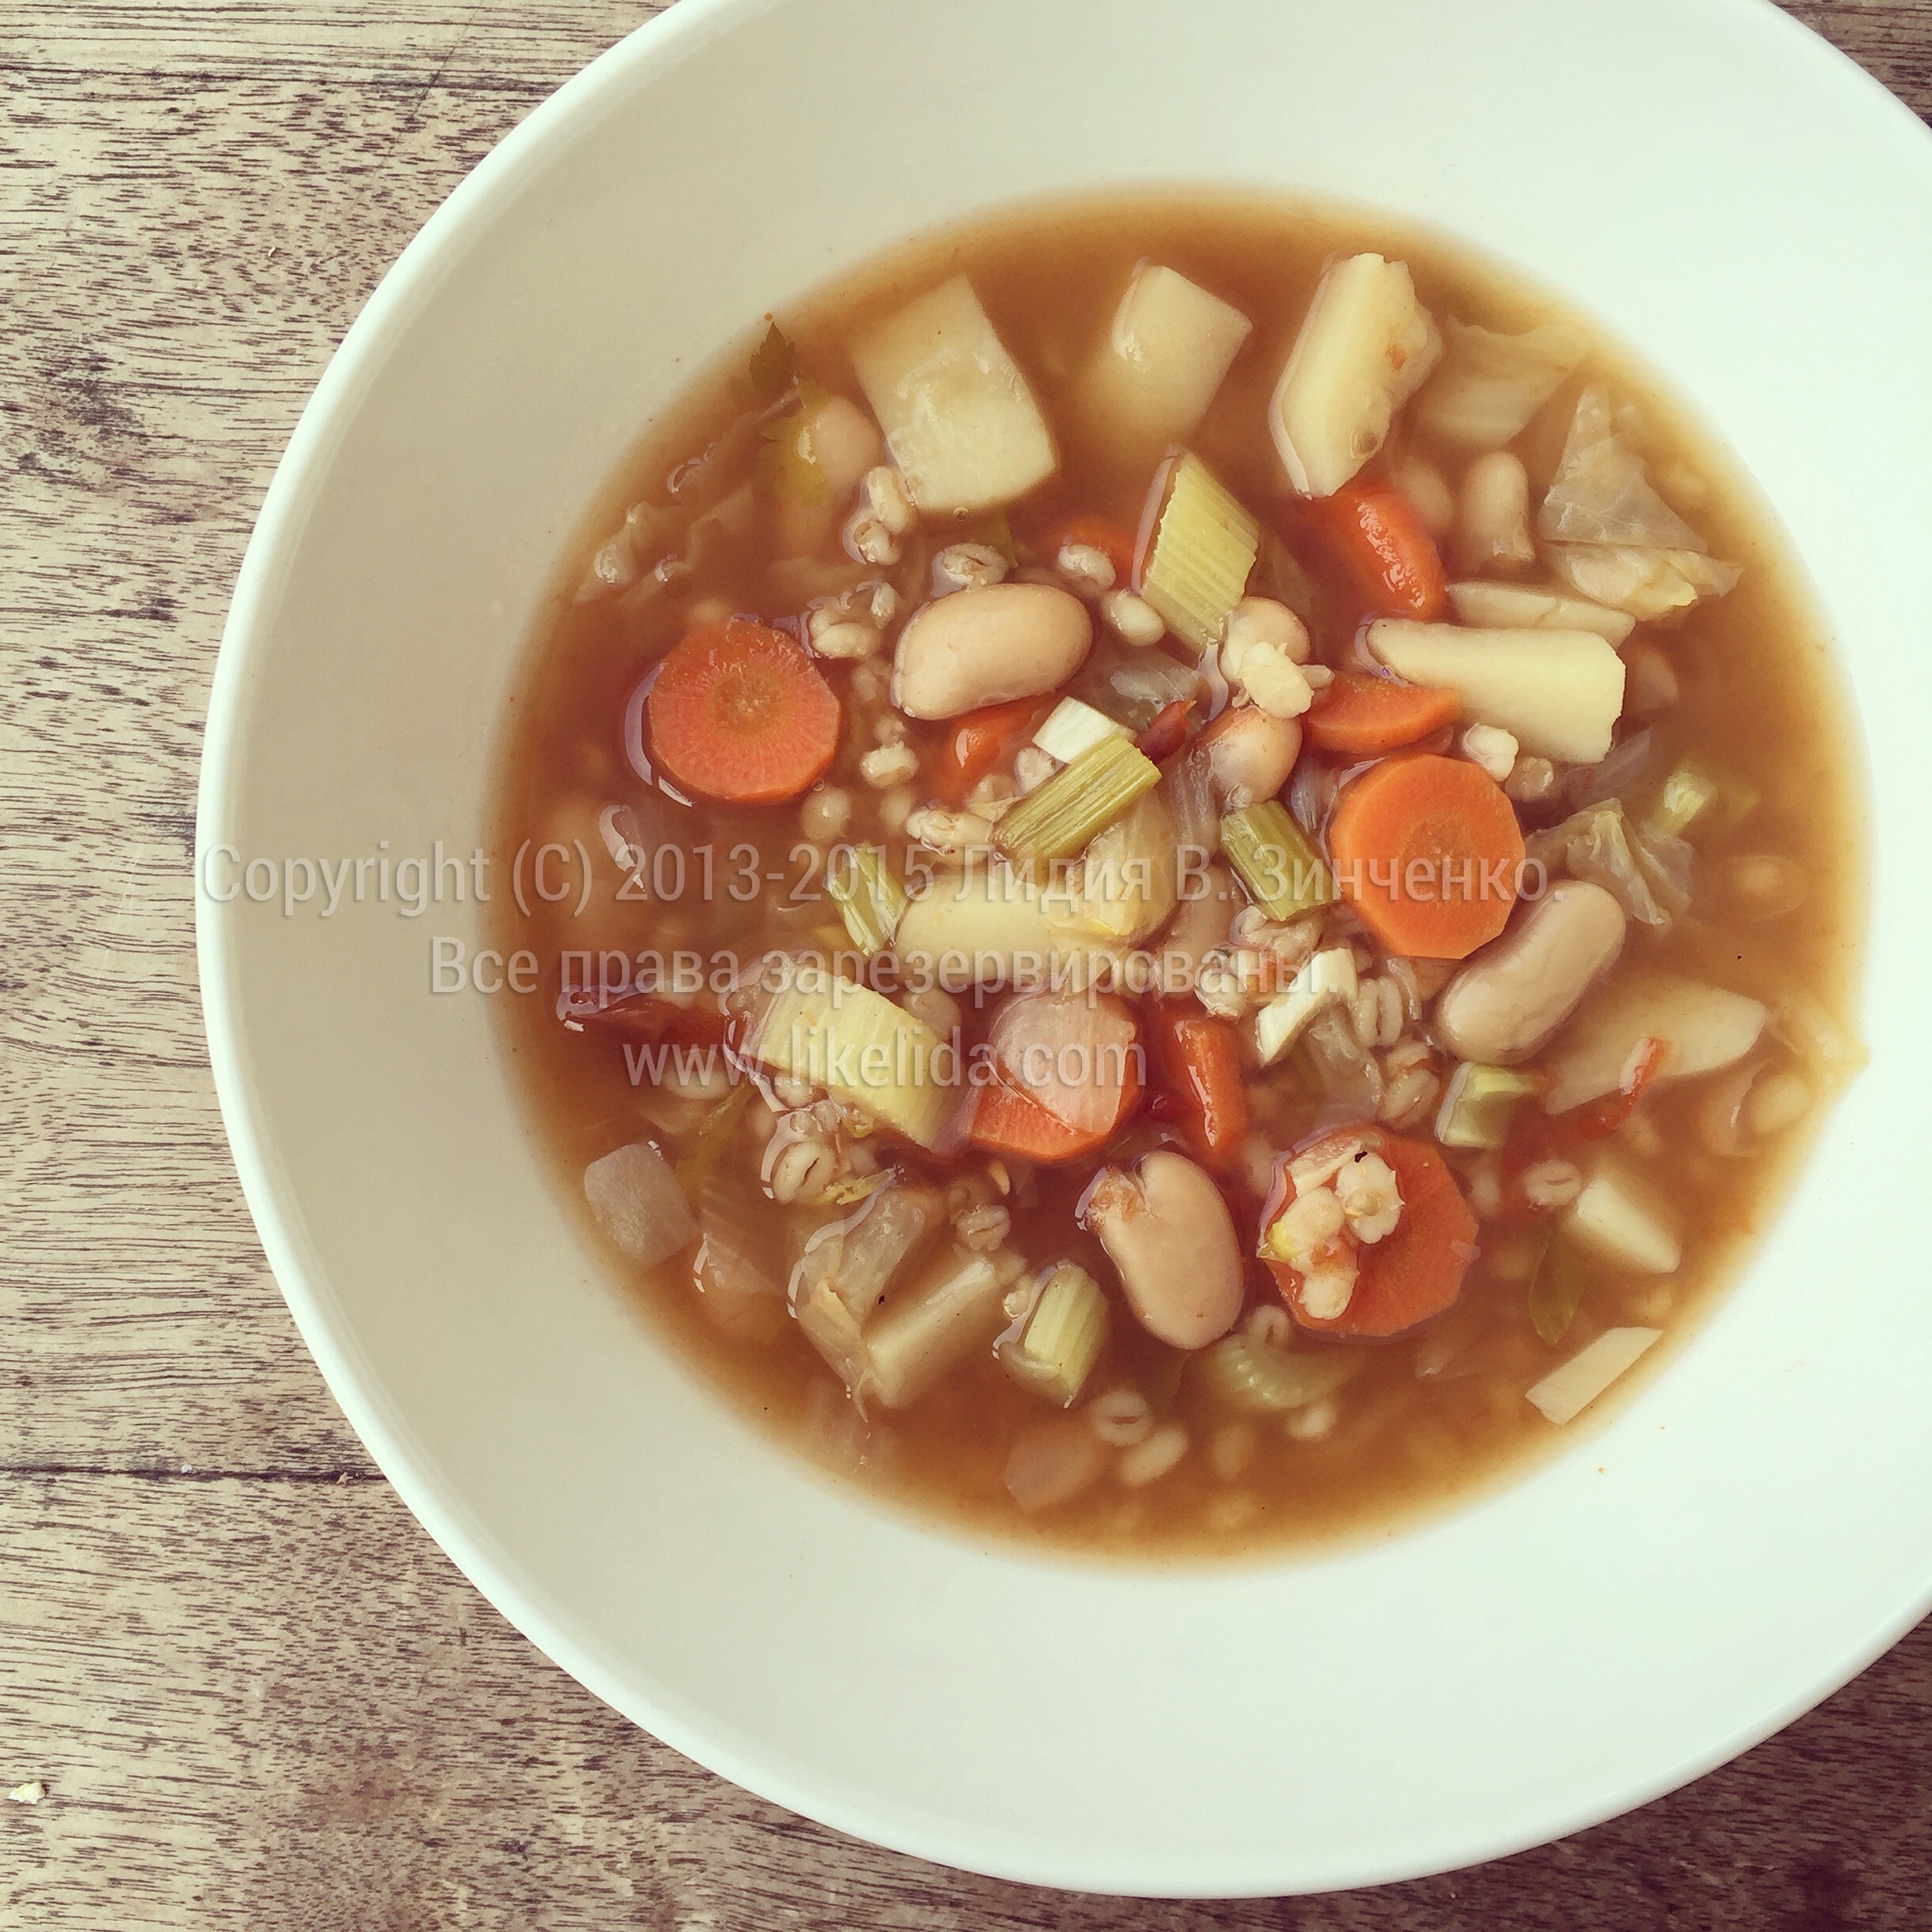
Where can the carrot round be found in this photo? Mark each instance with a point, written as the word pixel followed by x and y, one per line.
pixel 739 712
pixel 1376 534
pixel 1198 1058
pixel 1007 1118
pixel 975 743
pixel 1427 851
pixel 1362 715
pixel 1414 1272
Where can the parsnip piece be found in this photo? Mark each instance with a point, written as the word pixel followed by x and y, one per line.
pixel 1703 1028
pixel 1366 346
pixel 959 420
pixel 1169 350
pixel 1618 1221
pixel 1520 607
pixel 1565 1392
pixel 1558 692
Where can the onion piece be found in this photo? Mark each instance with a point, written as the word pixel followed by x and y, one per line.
pixel 635 1199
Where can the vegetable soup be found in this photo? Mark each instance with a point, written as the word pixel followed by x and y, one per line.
pixel 1202 870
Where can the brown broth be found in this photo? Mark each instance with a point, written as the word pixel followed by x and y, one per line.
pixel 1759 698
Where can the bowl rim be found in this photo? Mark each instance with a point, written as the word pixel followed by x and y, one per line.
pixel 300 475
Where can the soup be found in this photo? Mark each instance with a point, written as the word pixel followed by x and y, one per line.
pixel 1194 871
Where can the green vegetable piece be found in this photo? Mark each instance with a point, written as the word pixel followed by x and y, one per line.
pixel 1075 806
pixel 1242 1371
pixel 1204 548
pixel 1055 1349
pixel 1273 859
pixel 1556 1291
pixel 1476 1104
pixel 695 1168
pixel 861 882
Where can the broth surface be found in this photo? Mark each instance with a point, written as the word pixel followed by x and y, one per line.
pixel 1438 1409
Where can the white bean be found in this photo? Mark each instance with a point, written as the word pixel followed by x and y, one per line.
pixel 982 647
pixel 1168 1232
pixel 1250 755
pixel 1493 514
pixel 1518 990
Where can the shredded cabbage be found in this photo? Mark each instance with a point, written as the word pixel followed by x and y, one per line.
pixel 1601 494
pixel 1647 873
pixel 1490 384
pixel 1648 584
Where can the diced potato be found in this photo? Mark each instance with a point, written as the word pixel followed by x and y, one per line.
pixel 1702 1027
pixel 1618 1220
pixel 1071 728
pixel 919 1335
pixel 1366 346
pixel 989 926
pixel 959 420
pixel 1565 1392
pixel 1169 350
pixel 1517 607
pixel 1558 692
pixel 856 1043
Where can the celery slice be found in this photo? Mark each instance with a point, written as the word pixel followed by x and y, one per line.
pixel 1557 1291
pixel 1075 806
pixel 857 1044
pixel 1054 1353
pixel 1242 1371
pixel 1204 548
pixel 1283 871
pixel 860 879
pixel 1475 1104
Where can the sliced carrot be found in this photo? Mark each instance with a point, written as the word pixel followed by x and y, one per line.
pixel 975 743
pixel 1168 732
pixel 1376 536
pixel 1097 532
pixel 1198 1058
pixel 1412 1273
pixel 1362 715
pixel 1004 1121
pixel 739 712
pixel 1073 1101
pixel 1427 851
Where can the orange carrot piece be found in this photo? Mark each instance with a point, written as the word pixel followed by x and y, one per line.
pixel 1006 1120
pixel 1199 1061
pixel 739 712
pixel 1362 715
pixel 1427 851
pixel 975 743
pixel 1412 1273
pixel 1376 534
pixel 1098 533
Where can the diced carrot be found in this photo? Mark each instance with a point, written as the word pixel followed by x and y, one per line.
pixel 1199 1059
pixel 1362 715
pixel 1412 1273
pixel 1097 532
pixel 1057 1110
pixel 977 742
pixel 739 713
pixel 1427 851
pixel 1374 533
pixel 1168 732
pixel 1004 1121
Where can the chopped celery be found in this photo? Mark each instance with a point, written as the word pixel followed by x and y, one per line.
pixel 1076 805
pixel 1557 1291
pixel 1204 547
pixel 1054 1352
pixel 1271 854
pixel 861 881
pixel 1071 728
pixel 857 1044
pixel 1475 1104
pixel 1244 1373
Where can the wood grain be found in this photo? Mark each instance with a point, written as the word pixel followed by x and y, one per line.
pixel 257 1695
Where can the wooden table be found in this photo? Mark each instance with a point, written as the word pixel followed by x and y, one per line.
pixel 257 1695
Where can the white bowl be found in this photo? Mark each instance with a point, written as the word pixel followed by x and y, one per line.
pixel 1726 195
